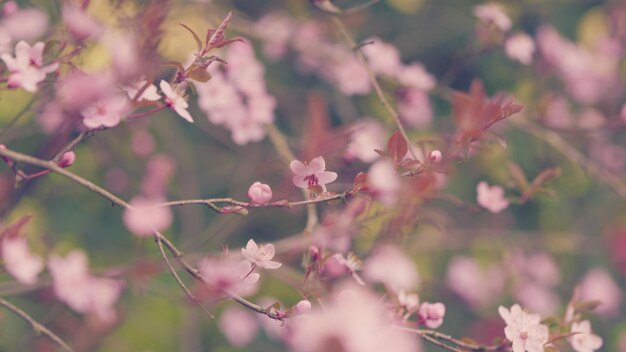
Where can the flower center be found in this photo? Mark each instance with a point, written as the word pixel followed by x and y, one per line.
pixel 311 180
pixel 524 335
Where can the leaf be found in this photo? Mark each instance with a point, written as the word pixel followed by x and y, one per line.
pixel 397 147
pixel 518 176
pixel 195 36
pixel 586 306
pixel 199 74
pixel 15 229
pixel 360 181
pixel 216 36
pixel 546 175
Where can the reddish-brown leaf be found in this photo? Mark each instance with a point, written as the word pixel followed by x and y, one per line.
pixel 397 147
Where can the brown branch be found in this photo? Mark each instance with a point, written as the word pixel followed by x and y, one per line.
pixel 444 341
pixel 38 327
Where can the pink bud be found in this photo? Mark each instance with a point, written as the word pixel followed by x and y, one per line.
pixel 260 193
pixel 303 307
pixel 432 314
pixel 9 8
pixel 67 159
pixel 434 156
pixel 314 253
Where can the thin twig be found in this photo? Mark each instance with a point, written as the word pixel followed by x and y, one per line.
pixel 38 327
pixel 70 145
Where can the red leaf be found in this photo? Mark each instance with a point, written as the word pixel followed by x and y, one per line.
pixel 14 229
pixel 397 147
pixel 360 181
pixel 217 36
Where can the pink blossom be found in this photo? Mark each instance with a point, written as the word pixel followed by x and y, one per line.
pixel 84 293
pixel 353 321
pixel 176 100
pixel 149 94
pixel 260 193
pixel 80 24
pixel 583 339
pixel 432 314
pixel 415 76
pixel 434 156
pixel 491 198
pixel 141 143
pixel 524 329
pixel 67 159
pixel 275 29
pixel 558 113
pixel 228 275
pixel 478 286
pixel 27 24
pixel 145 216
pixel 350 263
pixel 5 41
pixel 493 13
pixel 107 112
pixel 598 285
pixel 383 58
pixel 26 68
pixel 159 170
pixel 303 307
pixel 414 108
pixel 10 7
pixel 538 298
pixel 410 302
pixel 388 265
pixel 383 182
pixel 350 76
pixel 77 90
pixel 311 174
pixel 238 325
pixel 260 256
pixel 124 49
pixel 520 47
pixel 367 135
pixel 19 261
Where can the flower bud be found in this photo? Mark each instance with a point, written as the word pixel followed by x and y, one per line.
pixel 434 156
pixel 67 159
pixel 303 307
pixel 314 253
pixel 260 193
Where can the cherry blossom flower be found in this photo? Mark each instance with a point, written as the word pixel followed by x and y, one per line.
pixel 303 307
pixel 493 13
pixel 260 193
pixel 176 100
pixel 149 94
pixel 260 256
pixel 226 275
pixel 145 216
pixel 383 182
pixel 107 112
pixel 432 314
pixel 520 47
pixel 366 135
pixel 491 198
pixel 238 325
pixel 410 302
pixel 415 76
pixel 26 68
pixel 80 24
pixel 383 58
pixel 388 265
pixel 350 76
pixel 583 339
pixel 26 24
pixel 312 174
pixel 84 293
pixel 352 264
pixel 414 108
pixel 19 261
pixel 524 329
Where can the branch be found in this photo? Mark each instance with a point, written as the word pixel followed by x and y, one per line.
pixel 38 327
pixel 445 341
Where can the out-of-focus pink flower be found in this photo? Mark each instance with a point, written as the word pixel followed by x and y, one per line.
pixel 226 274
pixel 493 13
pixel 558 113
pixel 260 193
pixel 491 198
pixel 303 307
pixel 591 119
pixel 312 174
pixel 9 7
pixel 84 293
pixel 598 285
pixel 383 58
pixel 583 339
pixel 367 135
pixel 476 285
pixel 388 265
pixel 414 108
pixel 415 76
pixel 67 159
pixel 538 298
pixel 275 29
pixel 432 314
pixel 145 216
pixel 260 256
pixel 159 171
pixel 26 68
pixel 350 76
pixel 238 326
pixel 524 329
pixel 142 143
pixel 383 182
pixel 123 49
pixel 520 47
pixel 5 41
pixel 80 24
pixel 434 156
pixel 19 261
pixel 77 90
pixel 107 112
pixel 175 100
pixel 27 24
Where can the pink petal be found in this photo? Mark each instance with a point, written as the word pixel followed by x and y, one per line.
pixel 183 113
pixel 166 89
pixel 317 165
pixel 325 177
pixel 300 182
pixel 298 168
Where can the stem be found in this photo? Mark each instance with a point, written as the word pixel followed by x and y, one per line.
pixel 38 327
pixel 146 113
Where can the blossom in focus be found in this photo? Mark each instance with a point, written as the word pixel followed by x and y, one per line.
pixel 493 13
pixel 491 198
pixel 583 340
pixel 383 182
pixel 520 47
pixel 23 265
pixel 238 325
pixel 388 265
pixel 260 193
pixel 311 174
pixel 106 112
pixel 145 216
pixel 26 68
pixel 524 329
pixel 176 100
pixel 260 256
pixel 432 314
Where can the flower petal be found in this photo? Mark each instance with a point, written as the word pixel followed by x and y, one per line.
pixel 298 168
pixel 325 177
pixel 317 165
pixel 300 182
